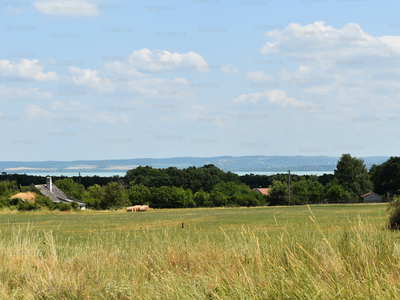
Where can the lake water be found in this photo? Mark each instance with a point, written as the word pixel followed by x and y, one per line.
pixel 121 174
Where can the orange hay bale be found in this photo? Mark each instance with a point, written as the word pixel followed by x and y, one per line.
pixel 129 209
pixel 144 208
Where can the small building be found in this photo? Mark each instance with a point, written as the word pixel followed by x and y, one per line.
pixel 261 190
pixel 371 197
pixel 55 194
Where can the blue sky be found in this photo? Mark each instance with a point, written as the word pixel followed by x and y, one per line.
pixel 116 79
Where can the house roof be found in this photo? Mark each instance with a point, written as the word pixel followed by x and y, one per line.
pixel 56 195
pixel 367 194
pixel 262 190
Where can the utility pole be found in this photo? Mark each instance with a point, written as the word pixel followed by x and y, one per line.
pixel 289 184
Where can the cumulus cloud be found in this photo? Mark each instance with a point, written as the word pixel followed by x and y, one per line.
pixel 158 60
pixel 74 8
pixel 26 68
pixel 278 97
pixel 229 69
pixel 323 41
pixel 90 78
pixel 29 92
pixel 67 106
pixel 33 111
pixel 258 76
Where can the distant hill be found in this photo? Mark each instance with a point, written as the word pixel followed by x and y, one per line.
pixel 226 163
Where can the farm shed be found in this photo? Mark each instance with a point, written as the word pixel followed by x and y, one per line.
pixel 55 194
pixel 371 197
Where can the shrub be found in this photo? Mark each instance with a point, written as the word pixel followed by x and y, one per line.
pixel 394 216
pixel 63 206
pixel 27 206
pixel 74 205
pixel 44 201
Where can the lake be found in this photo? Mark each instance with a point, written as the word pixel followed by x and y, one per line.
pixel 121 174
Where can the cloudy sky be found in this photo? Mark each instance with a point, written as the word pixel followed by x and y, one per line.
pixel 94 79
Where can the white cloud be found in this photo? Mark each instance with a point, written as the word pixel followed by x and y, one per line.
pixel 90 78
pixel 26 69
pixel 68 106
pixel 123 68
pixel 105 117
pixel 75 8
pixel 229 69
pixel 258 76
pixel 321 41
pixel 35 111
pixel 273 97
pixel 158 60
pixel 29 92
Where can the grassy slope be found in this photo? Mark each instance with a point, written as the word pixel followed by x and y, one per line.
pixel 335 251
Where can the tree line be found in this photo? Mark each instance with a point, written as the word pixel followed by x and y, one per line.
pixel 209 186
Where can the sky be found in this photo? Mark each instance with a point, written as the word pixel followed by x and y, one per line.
pixel 94 79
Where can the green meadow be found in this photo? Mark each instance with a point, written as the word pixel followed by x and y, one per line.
pixel 315 252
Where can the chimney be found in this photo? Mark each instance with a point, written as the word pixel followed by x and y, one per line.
pixel 49 184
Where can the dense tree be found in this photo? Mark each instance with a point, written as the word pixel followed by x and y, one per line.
pixel 386 177
pixel 278 193
pixel 237 194
pixel 191 178
pixel 138 194
pixel 114 196
pixel 71 188
pixel 352 174
pixel 7 188
pixel 201 198
pixel 338 194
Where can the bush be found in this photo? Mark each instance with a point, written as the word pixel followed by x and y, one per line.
pixel 44 201
pixel 27 206
pixel 394 216
pixel 63 206
pixel 74 205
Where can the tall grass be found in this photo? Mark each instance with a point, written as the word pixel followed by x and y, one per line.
pixel 358 260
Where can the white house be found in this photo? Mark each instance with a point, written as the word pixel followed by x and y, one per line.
pixel 55 194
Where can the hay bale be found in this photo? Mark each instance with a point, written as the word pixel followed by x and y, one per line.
pixel 136 208
pixel 144 208
pixel 129 209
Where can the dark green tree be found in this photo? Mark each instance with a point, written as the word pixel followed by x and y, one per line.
pixel 386 176
pixel 71 188
pixel 352 174
pixel 114 196
pixel 338 194
pixel 278 193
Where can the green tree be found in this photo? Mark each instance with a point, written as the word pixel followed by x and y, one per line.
pixel 386 176
pixel 201 197
pixel 71 188
pixel 7 188
pixel 338 194
pixel 315 189
pixel 138 194
pixel 352 174
pixel 278 193
pixel 114 196
pixel 300 191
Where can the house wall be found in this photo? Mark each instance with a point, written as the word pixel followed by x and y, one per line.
pixel 373 198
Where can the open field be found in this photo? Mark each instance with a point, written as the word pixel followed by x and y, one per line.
pixel 321 252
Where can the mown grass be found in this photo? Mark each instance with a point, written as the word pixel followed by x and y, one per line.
pixel 321 252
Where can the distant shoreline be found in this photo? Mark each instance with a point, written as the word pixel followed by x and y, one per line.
pixel 122 174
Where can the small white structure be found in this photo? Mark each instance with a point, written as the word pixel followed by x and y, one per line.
pixel 371 197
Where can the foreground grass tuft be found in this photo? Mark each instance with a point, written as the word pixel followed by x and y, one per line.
pixel 280 253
